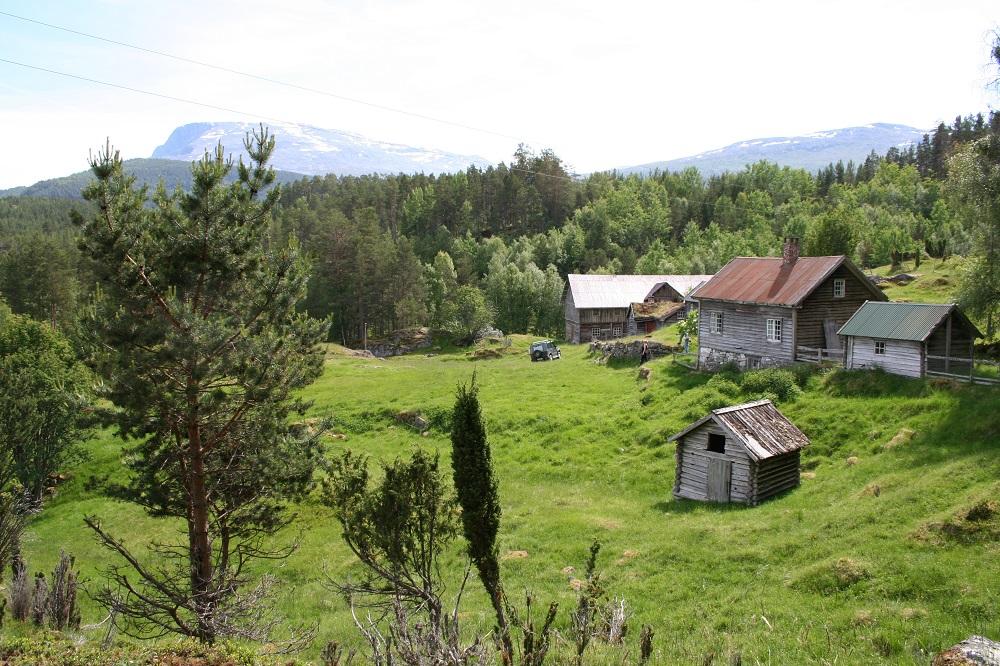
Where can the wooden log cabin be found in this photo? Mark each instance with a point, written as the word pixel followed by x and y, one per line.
pixel 772 311
pixel 742 454
pixel 911 339
pixel 599 307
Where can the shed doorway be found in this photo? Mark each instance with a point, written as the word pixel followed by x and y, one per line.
pixel 719 475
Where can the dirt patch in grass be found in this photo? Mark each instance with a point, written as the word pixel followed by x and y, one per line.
pixel 627 556
pixel 904 436
pixel 827 577
pixel 975 523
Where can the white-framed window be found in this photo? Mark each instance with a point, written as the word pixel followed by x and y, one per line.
pixel 774 330
pixel 595 333
pixel 839 287
pixel 616 331
pixel 879 347
pixel 716 323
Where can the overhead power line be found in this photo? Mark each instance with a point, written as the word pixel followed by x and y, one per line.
pixel 207 105
pixel 291 122
pixel 266 79
pixel 144 92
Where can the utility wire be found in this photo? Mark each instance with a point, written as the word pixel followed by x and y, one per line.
pixel 280 120
pixel 207 105
pixel 705 202
pixel 266 79
pixel 144 92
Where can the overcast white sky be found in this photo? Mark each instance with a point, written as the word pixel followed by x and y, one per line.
pixel 602 83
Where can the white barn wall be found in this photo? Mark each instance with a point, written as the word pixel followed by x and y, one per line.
pixel 902 357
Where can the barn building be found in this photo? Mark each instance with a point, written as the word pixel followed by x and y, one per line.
pixel 772 311
pixel 911 339
pixel 744 454
pixel 599 307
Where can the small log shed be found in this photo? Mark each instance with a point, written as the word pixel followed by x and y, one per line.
pixel 745 454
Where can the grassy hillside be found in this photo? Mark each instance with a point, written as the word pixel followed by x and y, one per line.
pixel 871 560
pixel 935 282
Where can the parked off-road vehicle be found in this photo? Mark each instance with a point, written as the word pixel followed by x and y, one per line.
pixel 544 350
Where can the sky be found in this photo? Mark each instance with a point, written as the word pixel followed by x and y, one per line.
pixel 603 84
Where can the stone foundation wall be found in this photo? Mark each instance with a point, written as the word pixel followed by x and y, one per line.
pixel 715 359
pixel 616 349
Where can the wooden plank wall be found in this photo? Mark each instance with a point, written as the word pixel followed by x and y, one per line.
pixel 572 319
pixel 744 330
pixel 691 476
pixel 821 305
pixel 775 475
pixel 901 357
pixel 751 482
pixel 961 346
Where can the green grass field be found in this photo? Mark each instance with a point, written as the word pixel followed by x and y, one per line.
pixel 870 562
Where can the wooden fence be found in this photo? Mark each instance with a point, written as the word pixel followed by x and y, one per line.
pixel 819 355
pixel 962 369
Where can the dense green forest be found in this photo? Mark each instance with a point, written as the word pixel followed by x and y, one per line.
pixel 494 245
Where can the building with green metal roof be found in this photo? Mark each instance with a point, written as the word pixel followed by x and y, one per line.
pixel 911 339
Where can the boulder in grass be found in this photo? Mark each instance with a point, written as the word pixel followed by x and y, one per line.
pixel 973 651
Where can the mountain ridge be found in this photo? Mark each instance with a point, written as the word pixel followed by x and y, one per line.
pixel 315 151
pixel 147 171
pixel 811 151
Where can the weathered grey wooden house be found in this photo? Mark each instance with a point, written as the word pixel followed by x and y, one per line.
pixel 599 307
pixel 744 454
pixel 911 339
pixel 770 311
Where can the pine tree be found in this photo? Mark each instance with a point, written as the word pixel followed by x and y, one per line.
pixel 198 338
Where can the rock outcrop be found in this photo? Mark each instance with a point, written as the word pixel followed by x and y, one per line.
pixel 399 342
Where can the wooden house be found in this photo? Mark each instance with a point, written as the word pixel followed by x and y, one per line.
pixel 771 311
pixel 599 307
pixel 911 339
pixel 744 454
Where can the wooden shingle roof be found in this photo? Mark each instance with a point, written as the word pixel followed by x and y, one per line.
pixel 759 426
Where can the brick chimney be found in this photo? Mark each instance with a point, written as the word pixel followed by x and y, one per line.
pixel 790 253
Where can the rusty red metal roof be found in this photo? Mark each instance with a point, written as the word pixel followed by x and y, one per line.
pixel 769 280
pixel 759 426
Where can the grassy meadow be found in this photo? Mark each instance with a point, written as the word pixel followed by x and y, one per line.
pixel 871 560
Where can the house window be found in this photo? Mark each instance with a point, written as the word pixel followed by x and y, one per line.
pixel 839 288
pixel 774 330
pixel 716 443
pixel 616 330
pixel 879 347
pixel 595 333
pixel 717 323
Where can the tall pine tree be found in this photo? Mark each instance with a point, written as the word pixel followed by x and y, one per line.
pixel 199 340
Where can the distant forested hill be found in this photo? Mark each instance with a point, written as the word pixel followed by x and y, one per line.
pixel 148 171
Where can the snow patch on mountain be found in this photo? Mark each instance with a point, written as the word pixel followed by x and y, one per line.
pixel 811 151
pixel 314 150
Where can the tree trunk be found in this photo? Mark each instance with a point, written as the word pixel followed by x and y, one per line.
pixel 200 545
